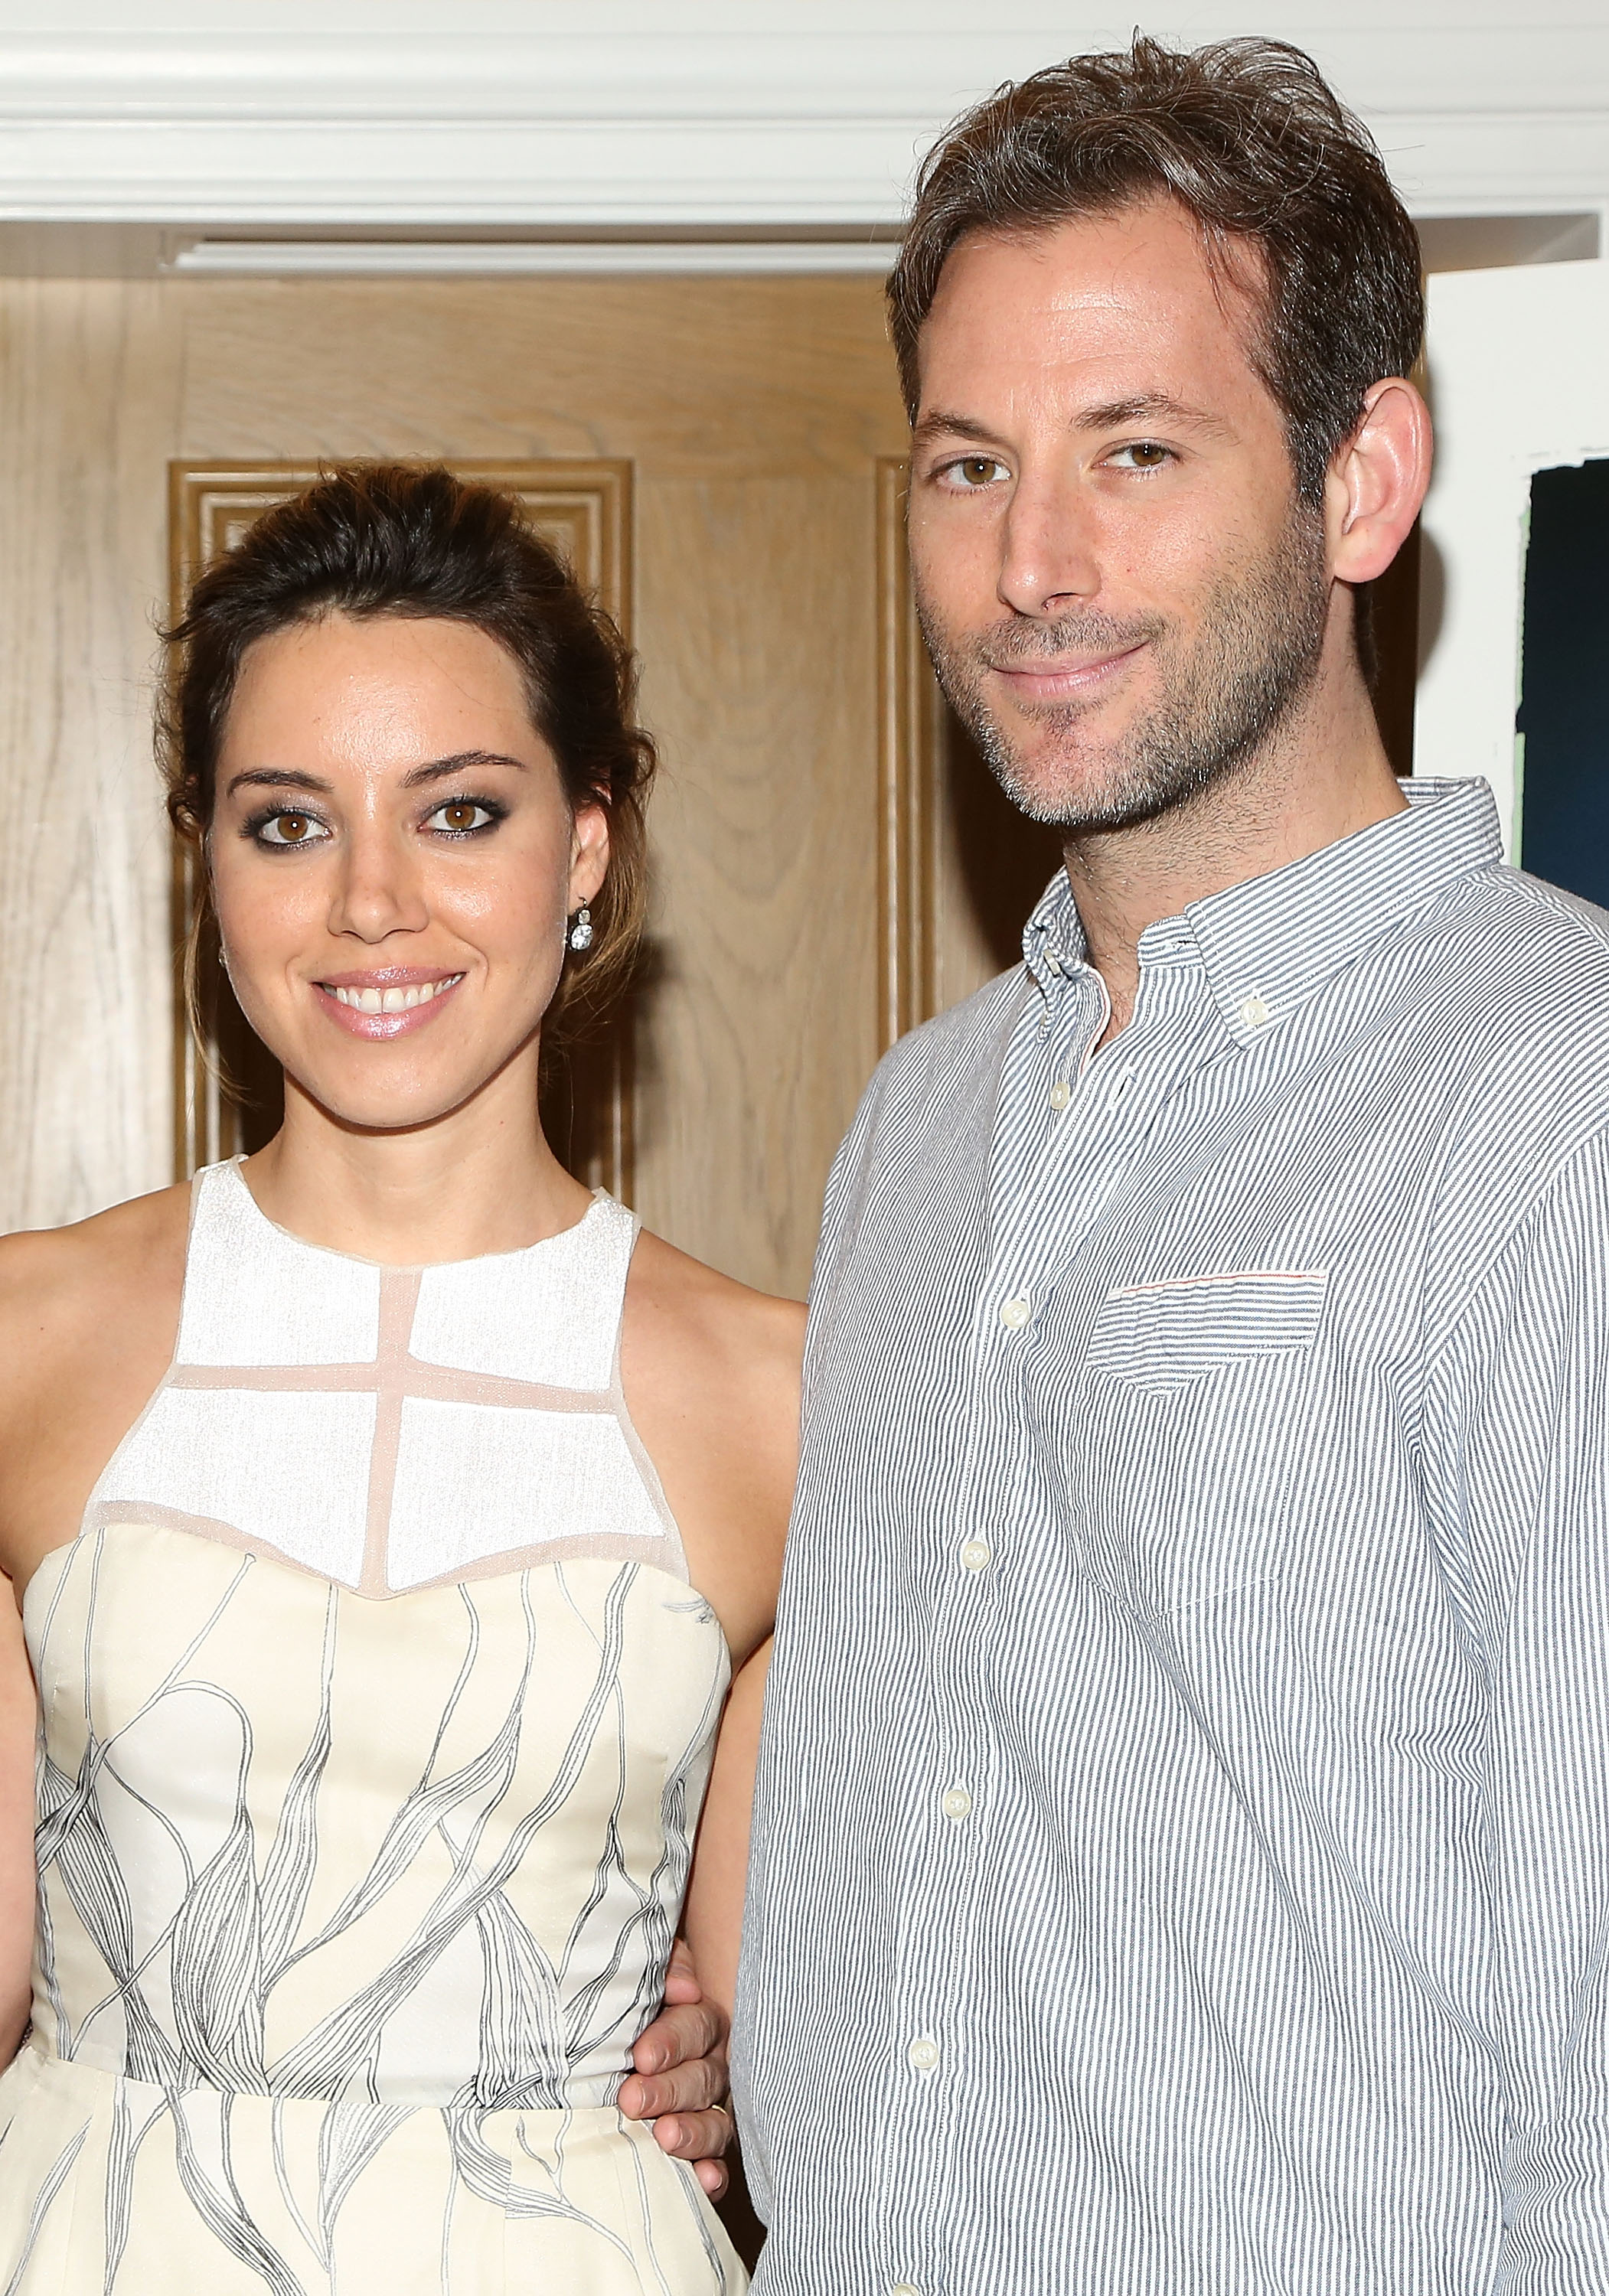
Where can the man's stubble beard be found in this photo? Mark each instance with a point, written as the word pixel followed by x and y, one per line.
pixel 1258 652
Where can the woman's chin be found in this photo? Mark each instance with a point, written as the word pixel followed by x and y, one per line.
pixel 396 1103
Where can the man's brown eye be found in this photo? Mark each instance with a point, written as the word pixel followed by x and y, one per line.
pixel 1148 454
pixel 977 470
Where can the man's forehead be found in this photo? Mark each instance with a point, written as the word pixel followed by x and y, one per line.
pixel 1126 305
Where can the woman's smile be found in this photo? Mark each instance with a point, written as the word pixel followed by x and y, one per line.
pixel 385 1003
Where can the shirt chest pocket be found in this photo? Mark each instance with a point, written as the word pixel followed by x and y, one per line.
pixel 1164 1335
pixel 1195 1409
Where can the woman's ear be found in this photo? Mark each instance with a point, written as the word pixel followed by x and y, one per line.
pixel 589 854
pixel 1377 482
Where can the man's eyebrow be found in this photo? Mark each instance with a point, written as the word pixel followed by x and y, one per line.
pixel 1114 415
pixel 1147 406
pixel 463 762
pixel 939 424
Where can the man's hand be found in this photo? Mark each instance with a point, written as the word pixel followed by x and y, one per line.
pixel 681 2076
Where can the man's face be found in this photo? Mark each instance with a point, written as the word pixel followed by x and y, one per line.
pixel 1121 592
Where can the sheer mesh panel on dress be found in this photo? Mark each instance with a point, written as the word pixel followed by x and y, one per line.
pixel 391 1428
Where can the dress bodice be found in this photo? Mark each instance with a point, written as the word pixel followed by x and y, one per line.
pixel 378 1708
pixel 396 1427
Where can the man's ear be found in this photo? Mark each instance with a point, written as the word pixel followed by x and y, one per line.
pixel 1377 482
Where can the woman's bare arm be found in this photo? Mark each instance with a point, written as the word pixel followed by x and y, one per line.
pixel 87 1315
pixel 713 1916
pixel 18 1713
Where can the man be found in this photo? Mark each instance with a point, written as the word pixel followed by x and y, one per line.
pixel 1182 1845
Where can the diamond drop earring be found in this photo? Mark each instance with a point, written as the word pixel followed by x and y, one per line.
pixel 580 932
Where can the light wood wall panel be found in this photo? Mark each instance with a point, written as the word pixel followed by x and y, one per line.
pixel 90 385
pixel 753 414
pixel 763 1029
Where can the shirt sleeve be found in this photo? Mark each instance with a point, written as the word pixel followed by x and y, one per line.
pixel 1515 1427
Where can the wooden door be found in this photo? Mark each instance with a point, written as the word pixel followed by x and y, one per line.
pixel 828 866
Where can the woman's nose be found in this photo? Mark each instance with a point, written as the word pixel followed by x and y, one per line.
pixel 379 888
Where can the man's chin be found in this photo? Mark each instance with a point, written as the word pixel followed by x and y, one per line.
pixel 1068 794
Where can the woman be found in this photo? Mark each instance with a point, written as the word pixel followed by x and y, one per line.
pixel 388 1515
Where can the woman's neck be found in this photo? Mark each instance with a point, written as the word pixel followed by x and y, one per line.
pixel 480 1179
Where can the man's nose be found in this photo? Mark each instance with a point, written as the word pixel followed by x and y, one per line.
pixel 379 890
pixel 1048 561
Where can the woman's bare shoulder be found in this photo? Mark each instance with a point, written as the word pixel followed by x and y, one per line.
pixel 738 1332
pixel 711 1373
pixel 67 1288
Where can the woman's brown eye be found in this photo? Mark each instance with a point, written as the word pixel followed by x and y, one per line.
pixel 459 817
pixel 292 827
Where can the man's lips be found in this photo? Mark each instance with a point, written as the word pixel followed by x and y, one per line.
pixel 392 1001
pixel 1071 678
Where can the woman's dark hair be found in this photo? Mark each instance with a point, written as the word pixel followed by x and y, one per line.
pixel 373 538
pixel 1247 136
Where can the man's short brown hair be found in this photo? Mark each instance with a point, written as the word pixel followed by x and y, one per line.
pixel 1248 137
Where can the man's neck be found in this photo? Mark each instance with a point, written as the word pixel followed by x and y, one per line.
pixel 1321 776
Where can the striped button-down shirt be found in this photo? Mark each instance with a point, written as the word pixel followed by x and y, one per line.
pixel 1182 1845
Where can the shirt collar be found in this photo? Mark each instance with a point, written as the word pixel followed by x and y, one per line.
pixel 1052 939
pixel 1268 944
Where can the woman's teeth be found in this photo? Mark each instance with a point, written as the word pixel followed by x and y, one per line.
pixel 393 1000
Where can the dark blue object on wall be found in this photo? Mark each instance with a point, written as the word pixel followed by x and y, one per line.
pixel 1563 710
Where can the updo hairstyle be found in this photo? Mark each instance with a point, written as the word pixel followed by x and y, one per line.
pixel 373 538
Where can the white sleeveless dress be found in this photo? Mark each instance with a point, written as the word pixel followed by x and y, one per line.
pixel 378 1712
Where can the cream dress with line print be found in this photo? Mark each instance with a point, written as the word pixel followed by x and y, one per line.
pixel 377 1715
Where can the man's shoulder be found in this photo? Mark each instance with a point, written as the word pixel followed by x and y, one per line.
pixel 937 1084
pixel 964 1036
pixel 1509 974
pixel 1514 1043
pixel 1533 938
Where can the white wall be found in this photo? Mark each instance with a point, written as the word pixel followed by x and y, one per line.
pixel 1519 366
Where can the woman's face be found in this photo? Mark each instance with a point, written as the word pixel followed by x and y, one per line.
pixel 393 861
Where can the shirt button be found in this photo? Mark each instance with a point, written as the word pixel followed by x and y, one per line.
pixel 922 2055
pixel 905 2288
pixel 1061 1093
pixel 1253 1012
pixel 1014 1314
pixel 977 1555
pixel 957 1803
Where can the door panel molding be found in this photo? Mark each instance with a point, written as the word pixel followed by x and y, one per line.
pixel 583 509
pixel 911 797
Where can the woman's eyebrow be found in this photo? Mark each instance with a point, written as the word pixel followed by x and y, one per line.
pixel 277 777
pixel 440 768
pixel 287 777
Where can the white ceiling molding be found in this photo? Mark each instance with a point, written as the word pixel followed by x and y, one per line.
pixel 689 116
pixel 501 259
